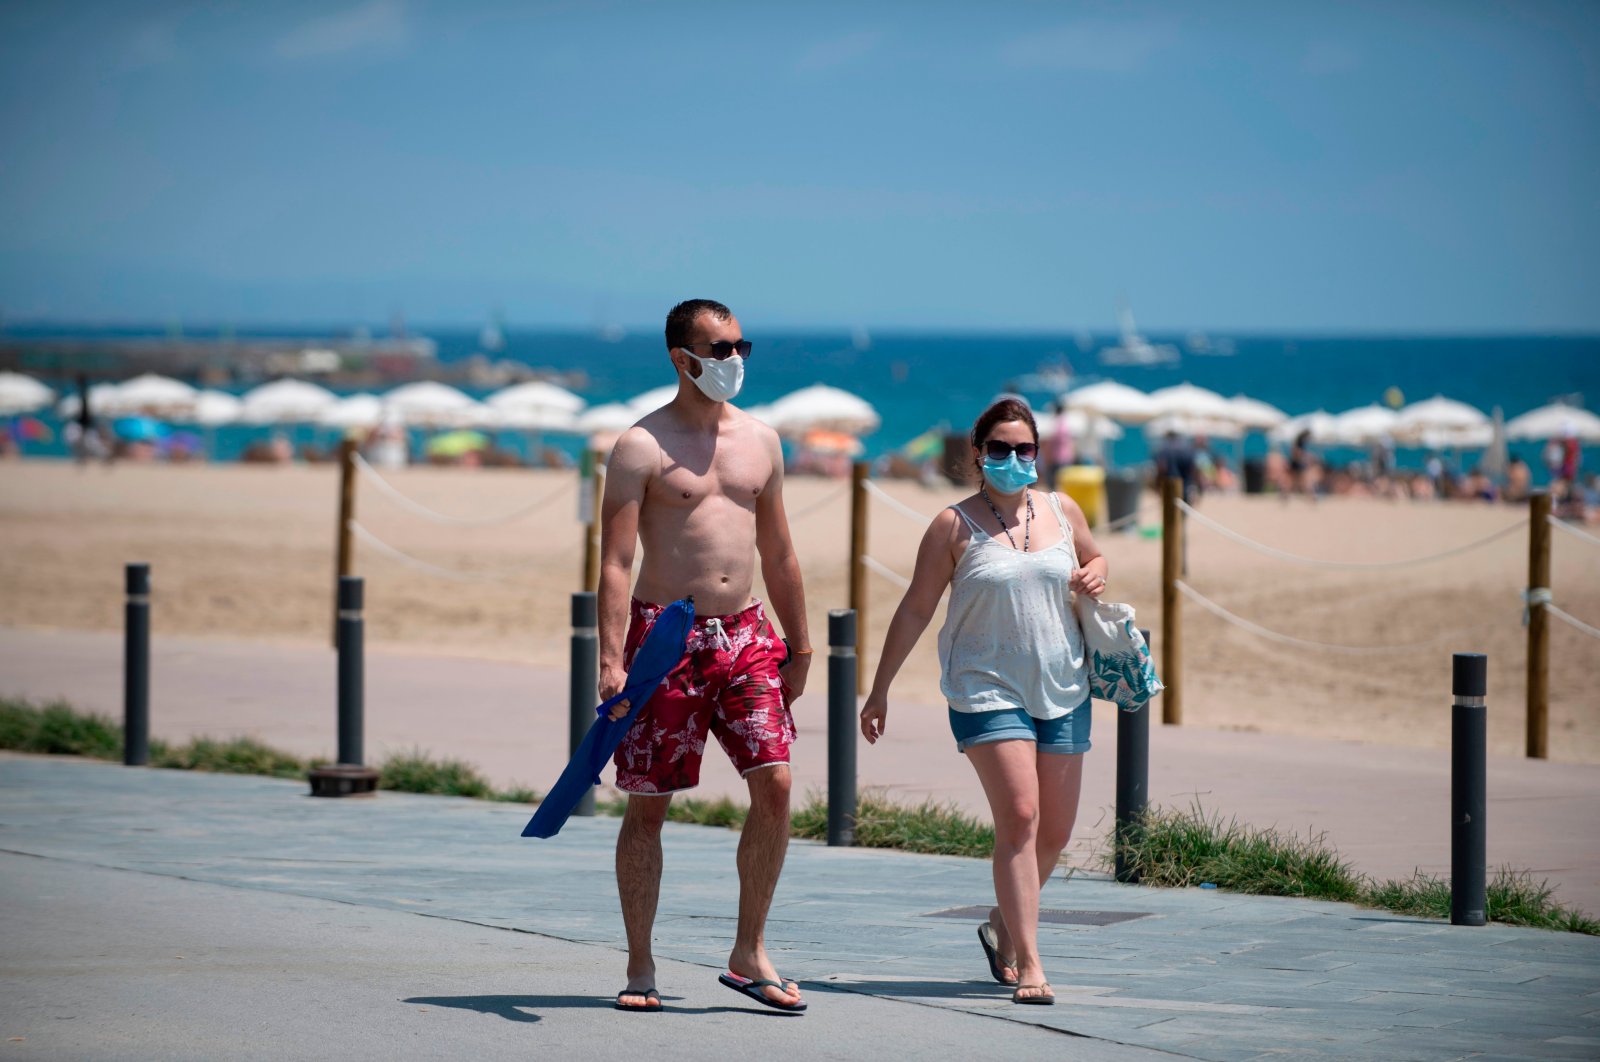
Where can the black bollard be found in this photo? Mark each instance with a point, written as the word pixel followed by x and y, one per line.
pixel 136 668
pixel 1469 898
pixel 843 725
pixel 349 776
pixel 352 684
pixel 1133 781
pixel 585 679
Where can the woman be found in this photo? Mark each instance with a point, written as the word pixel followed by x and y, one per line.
pixel 1012 669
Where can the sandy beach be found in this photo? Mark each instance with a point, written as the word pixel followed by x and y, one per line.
pixel 247 552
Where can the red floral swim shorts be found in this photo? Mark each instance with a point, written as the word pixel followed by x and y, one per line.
pixel 727 684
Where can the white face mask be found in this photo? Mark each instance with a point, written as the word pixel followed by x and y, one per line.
pixel 719 380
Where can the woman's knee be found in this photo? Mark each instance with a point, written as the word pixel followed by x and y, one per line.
pixel 1016 822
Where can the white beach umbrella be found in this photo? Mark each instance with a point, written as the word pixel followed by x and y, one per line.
pixel 826 408
pixel 1319 423
pixel 1470 438
pixel 22 394
pixel 654 398
pixel 353 411
pixel 99 394
pixel 1114 400
pixel 214 408
pixel 285 402
pixel 611 417
pixel 1555 421
pixel 1364 425
pixel 1439 414
pixel 1252 414
pixel 434 405
pixel 536 396
pixel 1082 425
pixel 1191 426
pixel 160 396
pixel 526 418
pixel 1187 400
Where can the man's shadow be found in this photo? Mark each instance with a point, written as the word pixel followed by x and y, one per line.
pixel 525 1008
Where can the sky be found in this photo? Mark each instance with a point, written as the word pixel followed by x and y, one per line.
pixel 1288 167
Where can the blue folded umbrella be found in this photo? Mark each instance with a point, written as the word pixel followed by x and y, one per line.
pixel 660 653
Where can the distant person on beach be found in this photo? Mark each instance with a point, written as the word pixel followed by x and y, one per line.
pixel 1176 460
pixel 1302 466
pixel 699 483
pixel 1012 666
pixel 1518 480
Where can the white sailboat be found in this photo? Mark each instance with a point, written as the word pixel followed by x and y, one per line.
pixel 1135 349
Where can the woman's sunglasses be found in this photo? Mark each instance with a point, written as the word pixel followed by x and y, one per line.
pixel 722 349
pixel 999 450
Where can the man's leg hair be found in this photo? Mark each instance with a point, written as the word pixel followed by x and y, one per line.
pixel 639 885
pixel 762 845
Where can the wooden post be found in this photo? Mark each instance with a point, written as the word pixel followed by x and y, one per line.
pixel 858 567
pixel 591 532
pixel 1171 629
pixel 1538 627
pixel 344 556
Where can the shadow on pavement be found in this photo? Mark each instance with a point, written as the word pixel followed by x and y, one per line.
pixel 522 1008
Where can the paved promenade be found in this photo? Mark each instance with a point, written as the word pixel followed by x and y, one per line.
pixel 171 914
pixel 1385 809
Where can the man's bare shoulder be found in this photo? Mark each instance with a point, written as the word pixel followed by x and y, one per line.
pixel 637 449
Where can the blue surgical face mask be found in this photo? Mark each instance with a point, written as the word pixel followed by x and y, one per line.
pixel 1010 475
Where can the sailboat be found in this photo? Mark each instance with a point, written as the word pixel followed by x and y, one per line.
pixel 1135 349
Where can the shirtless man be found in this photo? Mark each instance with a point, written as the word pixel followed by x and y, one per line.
pixel 699 484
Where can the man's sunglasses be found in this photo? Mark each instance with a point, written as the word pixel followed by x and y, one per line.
pixel 999 450
pixel 722 349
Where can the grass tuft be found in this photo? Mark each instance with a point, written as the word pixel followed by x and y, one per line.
pixel 416 772
pixel 929 828
pixel 56 729
pixel 239 755
pixel 517 794
pixel 1187 848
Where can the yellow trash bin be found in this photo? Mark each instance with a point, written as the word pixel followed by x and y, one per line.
pixel 1086 485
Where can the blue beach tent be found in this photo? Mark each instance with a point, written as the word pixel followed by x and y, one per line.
pixel 660 653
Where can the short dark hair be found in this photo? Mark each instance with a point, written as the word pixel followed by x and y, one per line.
pixel 1001 411
pixel 682 317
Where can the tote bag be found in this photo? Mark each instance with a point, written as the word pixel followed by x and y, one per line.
pixel 1119 664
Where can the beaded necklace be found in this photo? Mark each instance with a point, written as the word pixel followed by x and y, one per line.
pixel 1027 519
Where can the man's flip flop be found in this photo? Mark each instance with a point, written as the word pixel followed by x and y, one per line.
pixel 1040 1000
pixel 752 988
pixel 647 993
pixel 991 951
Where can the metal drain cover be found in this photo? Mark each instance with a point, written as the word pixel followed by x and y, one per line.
pixel 1057 915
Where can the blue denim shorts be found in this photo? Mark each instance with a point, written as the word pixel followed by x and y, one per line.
pixel 1066 736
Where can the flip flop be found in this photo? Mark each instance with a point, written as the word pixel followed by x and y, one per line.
pixel 991 951
pixel 1039 1000
pixel 647 993
pixel 752 988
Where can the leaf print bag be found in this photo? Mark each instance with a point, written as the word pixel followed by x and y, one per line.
pixel 1119 664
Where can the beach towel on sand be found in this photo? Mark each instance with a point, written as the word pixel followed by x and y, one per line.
pixel 1120 670
pixel 657 656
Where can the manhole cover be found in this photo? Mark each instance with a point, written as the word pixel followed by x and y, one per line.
pixel 1057 915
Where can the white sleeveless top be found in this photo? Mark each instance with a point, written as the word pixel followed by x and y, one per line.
pixel 1010 639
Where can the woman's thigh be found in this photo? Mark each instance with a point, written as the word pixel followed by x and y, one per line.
pixel 1060 785
pixel 1009 773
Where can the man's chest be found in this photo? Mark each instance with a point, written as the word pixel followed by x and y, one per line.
pixel 737 477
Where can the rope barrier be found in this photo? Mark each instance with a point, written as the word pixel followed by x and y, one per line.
pixel 1286 639
pixel 433 569
pixel 1572 621
pixel 1273 551
pixel 1562 525
pixel 444 518
pixel 1123 521
pixel 820 503
pixel 887 572
pixel 895 503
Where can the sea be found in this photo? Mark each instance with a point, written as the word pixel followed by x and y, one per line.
pixel 919 380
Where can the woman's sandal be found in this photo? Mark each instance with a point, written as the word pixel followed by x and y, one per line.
pixel 991 951
pixel 1040 1000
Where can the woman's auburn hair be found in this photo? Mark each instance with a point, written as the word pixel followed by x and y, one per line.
pixel 1001 411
